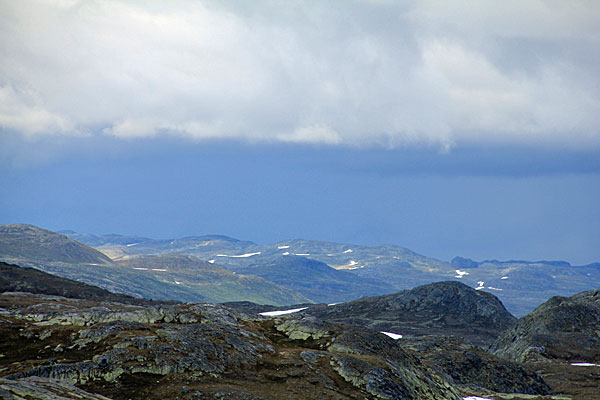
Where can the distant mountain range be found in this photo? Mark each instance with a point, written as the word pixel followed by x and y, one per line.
pixel 286 272
pixel 169 277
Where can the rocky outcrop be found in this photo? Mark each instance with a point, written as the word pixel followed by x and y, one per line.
pixel 561 329
pixel 194 338
pixel 443 308
pixel 43 389
pixel 560 340
pixel 369 360
pixel 465 365
pixel 400 375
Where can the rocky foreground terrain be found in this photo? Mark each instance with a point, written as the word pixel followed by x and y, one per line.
pixel 61 339
pixel 203 350
pixel 188 351
pixel 57 347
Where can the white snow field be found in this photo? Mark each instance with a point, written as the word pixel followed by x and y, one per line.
pixel 283 312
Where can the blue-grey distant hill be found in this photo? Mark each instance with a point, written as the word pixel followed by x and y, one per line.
pixel 521 285
pixel 166 277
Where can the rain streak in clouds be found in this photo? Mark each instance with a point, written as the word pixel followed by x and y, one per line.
pixel 360 73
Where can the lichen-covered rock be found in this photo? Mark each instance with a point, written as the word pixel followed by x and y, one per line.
pixel 43 389
pixel 472 366
pixel 303 327
pixel 395 375
pixel 375 380
pixel 560 329
pixel 203 351
pixel 147 315
pixel 442 308
pixel 81 372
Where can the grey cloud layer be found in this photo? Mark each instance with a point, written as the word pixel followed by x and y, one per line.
pixel 352 73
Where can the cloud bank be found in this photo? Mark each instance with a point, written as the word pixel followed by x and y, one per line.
pixel 355 73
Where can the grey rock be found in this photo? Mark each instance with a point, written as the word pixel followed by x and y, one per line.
pixel 43 389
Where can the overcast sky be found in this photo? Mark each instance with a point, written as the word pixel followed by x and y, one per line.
pixel 462 127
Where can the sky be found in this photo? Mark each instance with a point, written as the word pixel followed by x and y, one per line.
pixel 465 128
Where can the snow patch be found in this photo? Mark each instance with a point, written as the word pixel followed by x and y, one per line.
pixel 352 262
pixel 287 253
pixel 333 304
pixel 302 254
pixel 159 269
pixel 348 251
pixel 276 313
pixel 283 247
pixel 494 288
pixel 476 398
pixel 178 283
pixel 480 283
pixel 460 274
pixel 353 268
pixel 393 335
pixel 131 244
pixel 585 365
pixel 212 261
pixel 330 255
pixel 504 277
pixel 240 255
pixel 141 269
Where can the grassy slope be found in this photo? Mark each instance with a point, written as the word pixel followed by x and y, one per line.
pixel 37 244
pixel 213 281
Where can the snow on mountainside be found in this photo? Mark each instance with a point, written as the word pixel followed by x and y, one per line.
pixel 521 285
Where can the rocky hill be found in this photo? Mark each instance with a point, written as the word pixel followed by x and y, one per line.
pixel 561 339
pixel 443 308
pixel 561 328
pixel 29 242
